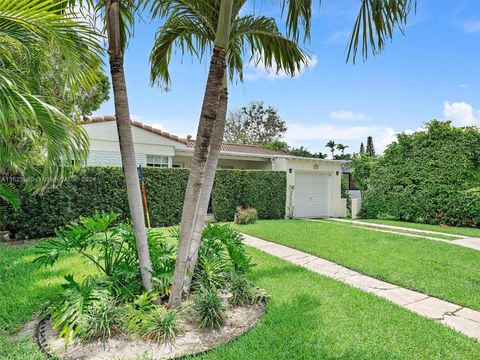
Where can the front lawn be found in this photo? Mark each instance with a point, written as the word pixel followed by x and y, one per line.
pixel 447 230
pixel 440 269
pixel 308 317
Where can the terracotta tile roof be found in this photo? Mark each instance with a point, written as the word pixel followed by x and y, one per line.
pixel 242 149
pixel 226 147
pixel 139 125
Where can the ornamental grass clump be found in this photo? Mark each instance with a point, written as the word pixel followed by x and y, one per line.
pixel 210 308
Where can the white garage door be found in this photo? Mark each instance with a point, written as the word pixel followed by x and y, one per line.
pixel 311 195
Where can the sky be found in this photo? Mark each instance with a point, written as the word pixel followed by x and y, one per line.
pixel 430 72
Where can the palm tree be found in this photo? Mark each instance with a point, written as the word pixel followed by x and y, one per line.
pixel 376 21
pixel 119 18
pixel 332 145
pixel 189 25
pixel 36 138
pixel 342 148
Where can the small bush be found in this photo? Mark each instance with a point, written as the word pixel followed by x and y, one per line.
pixel 161 324
pixel 101 320
pixel 244 291
pixel 246 216
pixel 210 308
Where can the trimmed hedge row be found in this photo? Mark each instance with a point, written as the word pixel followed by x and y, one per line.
pixel 102 188
pixel 263 190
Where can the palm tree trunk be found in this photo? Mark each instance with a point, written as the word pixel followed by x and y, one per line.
pixel 125 137
pixel 202 148
pixel 206 190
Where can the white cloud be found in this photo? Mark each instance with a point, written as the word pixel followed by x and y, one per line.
pixel 340 37
pixel 461 113
pixel 471 27
pixel 298 133
pixel 347 115
pixel 256 70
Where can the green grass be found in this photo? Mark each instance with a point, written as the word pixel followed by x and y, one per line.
pixel 308 316
pixel 447 230
pixel 440 269
pixel 406 231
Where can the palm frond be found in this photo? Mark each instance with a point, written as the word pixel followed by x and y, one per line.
pixel 265 43
pixel 298 18
pixel 376 23
pixel 10 196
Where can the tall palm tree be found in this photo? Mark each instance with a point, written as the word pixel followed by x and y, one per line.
pixel 376 21
pixel 190 25
pixel 342 148
pixel 33 131
pixel 119 18
pixel 332 145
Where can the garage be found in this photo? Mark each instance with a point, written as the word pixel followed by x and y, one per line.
pixel 312 195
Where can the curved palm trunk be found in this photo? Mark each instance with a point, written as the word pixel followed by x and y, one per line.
pixel 206 190
pixel 202 148
pixel 127 149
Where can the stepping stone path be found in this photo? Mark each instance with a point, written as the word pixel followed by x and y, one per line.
pixel 464 320
pixel 465 241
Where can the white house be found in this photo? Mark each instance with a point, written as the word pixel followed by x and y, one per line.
pixel 315 182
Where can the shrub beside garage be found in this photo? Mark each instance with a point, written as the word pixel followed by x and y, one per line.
pixel 102 189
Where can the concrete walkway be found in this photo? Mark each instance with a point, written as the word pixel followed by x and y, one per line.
pixel 464 320
pixel 465 241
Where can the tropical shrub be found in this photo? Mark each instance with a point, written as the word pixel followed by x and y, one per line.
pixel 210 308
pixel 246 216
pixel 429 176
pixel 103 189
pixel 111 248
pixel 114 302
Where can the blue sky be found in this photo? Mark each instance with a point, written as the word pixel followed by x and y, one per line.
pixel 431 72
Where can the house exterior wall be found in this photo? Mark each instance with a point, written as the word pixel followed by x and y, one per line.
pixel 332 168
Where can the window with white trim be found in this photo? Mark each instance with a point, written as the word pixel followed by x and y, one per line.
pixel 157 161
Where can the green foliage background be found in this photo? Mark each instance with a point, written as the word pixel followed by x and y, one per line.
pixel 431 176
pixel 102 188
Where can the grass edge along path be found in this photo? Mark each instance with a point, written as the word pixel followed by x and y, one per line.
pixel 438 269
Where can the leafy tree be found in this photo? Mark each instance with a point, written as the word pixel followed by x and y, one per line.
pixel 370 147
pixel 37 139
pixel 277 145
pixel 332 145
pixel 362 167
pixel 362 148
pixel 417 180
pixel 254 124
pixel 304 152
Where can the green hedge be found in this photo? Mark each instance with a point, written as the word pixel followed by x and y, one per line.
pixel 263 190
pixel 102 188
pixel 430 176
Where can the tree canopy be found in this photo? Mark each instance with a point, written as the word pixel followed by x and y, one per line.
pixel 254 124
